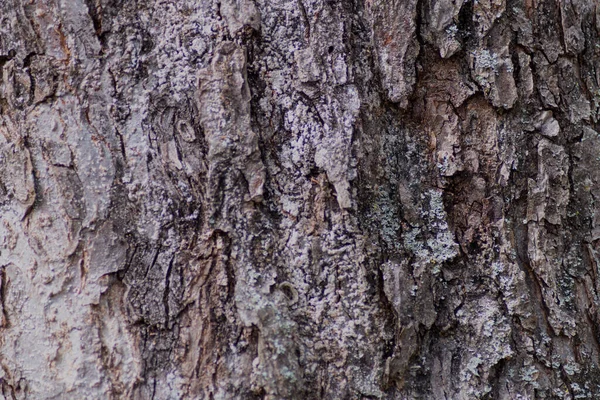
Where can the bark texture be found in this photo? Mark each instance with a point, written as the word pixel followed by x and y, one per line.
pixel 299 199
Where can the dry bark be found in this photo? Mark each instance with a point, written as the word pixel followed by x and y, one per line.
pixel 299 199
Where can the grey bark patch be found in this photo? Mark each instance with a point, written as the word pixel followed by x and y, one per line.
pixel 394 35
pixel 240 14
pixel 293 199
pixel 224 95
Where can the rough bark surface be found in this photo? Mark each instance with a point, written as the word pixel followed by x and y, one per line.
pixel 299 199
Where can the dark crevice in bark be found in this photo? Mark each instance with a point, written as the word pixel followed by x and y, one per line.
pixel 166 292
pixel 4 58
pixel 7 388
pixel 154 259
pixel 495 379
pixel 153 388
pixel 4 321
pixel 304 20
pixel 39 199
pixel 95 12
pixel 465 23
pixel 121 143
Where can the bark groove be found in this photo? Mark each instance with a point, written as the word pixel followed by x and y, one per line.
pixel 348 199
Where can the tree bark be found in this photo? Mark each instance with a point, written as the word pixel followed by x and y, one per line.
pixel 299 199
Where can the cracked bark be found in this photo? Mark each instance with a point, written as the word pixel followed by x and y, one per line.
pixel 299 199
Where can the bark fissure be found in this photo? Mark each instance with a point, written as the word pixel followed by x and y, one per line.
pixel 299 198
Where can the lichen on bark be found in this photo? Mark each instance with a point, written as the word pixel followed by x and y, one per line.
pixel 299 199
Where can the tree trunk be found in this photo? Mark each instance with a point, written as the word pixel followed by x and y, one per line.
pixel 299 199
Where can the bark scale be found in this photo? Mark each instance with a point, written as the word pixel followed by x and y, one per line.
pixel 285 199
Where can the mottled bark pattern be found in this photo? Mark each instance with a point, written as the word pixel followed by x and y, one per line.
pixel 299 199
